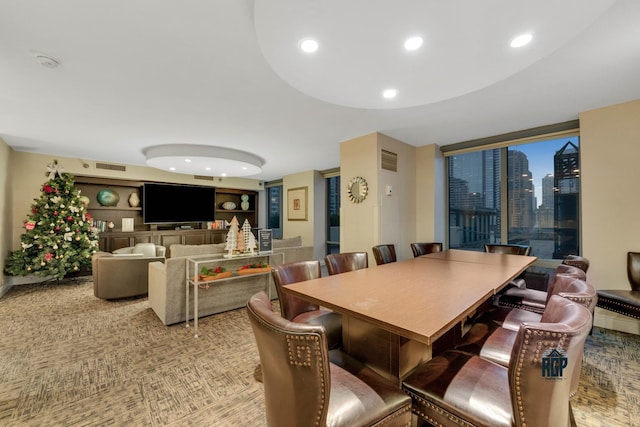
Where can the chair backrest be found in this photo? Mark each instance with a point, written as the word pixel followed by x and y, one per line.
pixel 346 261
pixel 293 272
pixel 384 254
pixel 577 261
pixel 569 270
pixel 508 249
pixel 633 270
pixel 576 290
pixel 540 396
pixel 424 248
pixel 295 366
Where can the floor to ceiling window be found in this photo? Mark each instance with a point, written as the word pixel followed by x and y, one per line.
pixel 526 194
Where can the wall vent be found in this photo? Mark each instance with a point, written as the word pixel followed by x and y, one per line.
pixel 389 160
pixel 111 167
pixel 203 177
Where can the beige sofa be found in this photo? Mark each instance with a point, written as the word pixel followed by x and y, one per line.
pixel 167 281
pixel 124 273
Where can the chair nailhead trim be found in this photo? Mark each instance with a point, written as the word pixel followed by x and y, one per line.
pixel 626 307
pixel 300 353
pixel 435 408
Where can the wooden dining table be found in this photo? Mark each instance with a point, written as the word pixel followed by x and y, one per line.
pixel 394 313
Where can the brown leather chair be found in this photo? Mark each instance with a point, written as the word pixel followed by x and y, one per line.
pixel 507 249
pixel 577 261
pixel 494 341
pixel 299 310
pixel 306 385
pixel 533 299
pixel 456 387
pixel 346 261
pixel 384 254
pixel 423 248
pixel 624 301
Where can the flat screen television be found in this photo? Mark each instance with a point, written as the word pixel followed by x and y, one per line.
pixel 171 203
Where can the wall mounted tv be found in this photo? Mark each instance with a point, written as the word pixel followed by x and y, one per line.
pixel 169 203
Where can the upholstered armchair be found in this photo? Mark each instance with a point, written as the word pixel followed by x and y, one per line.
pixel 624 301
pixel 460 388
pixel 307 385
pixel 424 248
pixel 301 311
pixel 346 261
pixel 384 254
pixel 124 273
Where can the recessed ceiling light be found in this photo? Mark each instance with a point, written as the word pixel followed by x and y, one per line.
pixel 308 45
pixel 187 160
pixel 413 43
pixel 172 168
pixel 390 93
pixel 522 40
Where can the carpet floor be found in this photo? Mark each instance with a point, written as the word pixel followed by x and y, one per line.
pixel 70 359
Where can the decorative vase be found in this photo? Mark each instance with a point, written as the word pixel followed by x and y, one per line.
pixel 134 200
pixel 108 197
pixel 244 205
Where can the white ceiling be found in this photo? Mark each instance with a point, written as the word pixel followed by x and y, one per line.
pixel 139 73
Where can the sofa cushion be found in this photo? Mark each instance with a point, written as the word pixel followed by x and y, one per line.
pixel 178 250
pixel 290 242
pixel 146 249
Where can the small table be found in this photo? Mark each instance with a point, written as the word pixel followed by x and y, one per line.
pixel 195 263
pixel 393 313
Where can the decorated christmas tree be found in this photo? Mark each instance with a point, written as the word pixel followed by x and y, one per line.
pixel 58 239
pixel 249 238
pixel 232 237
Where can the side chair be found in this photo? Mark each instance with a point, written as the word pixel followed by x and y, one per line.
pixel 305 384
pixel 624 301
pixel 346 261
pixel 508 249
pixel 460 388
pixel 298 310
pixel 423 248
pixel 384 254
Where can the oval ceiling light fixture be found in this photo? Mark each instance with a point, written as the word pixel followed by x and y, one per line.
pixel 413 43
pixel 522 40
pixel 203 160
pixel 308 45
pixel 389 93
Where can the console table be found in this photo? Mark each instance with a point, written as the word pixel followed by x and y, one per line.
pixel 195 263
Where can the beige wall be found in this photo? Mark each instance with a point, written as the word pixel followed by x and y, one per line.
pixel 610 155
pixel 315 206
pixel 380 218
pixel 6 213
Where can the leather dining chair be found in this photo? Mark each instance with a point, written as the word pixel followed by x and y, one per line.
pixel 519 296
pixel 494 341
pixel 301 311
pixel 346 261
pixel 508 249
pixel 384 254
pixel 305 384
pixel 460 388
pixel 624 301
pixel 577 261
pixel 424 248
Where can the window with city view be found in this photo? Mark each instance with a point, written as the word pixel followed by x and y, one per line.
pixel 274 210
pixel 333 214
pixel 542 197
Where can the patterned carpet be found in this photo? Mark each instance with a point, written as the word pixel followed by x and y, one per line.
pixel 70 359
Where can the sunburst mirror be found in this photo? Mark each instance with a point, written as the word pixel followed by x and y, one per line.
pixel 357 189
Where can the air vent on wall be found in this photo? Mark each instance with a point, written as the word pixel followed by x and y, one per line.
pixel 389 160
pixel 111 167
pixel 203 177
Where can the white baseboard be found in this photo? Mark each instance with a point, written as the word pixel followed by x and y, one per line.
pixel 617 322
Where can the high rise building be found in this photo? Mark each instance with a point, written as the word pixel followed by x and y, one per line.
pixel 520 190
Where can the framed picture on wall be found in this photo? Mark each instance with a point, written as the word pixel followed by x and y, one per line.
pixel 297 204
